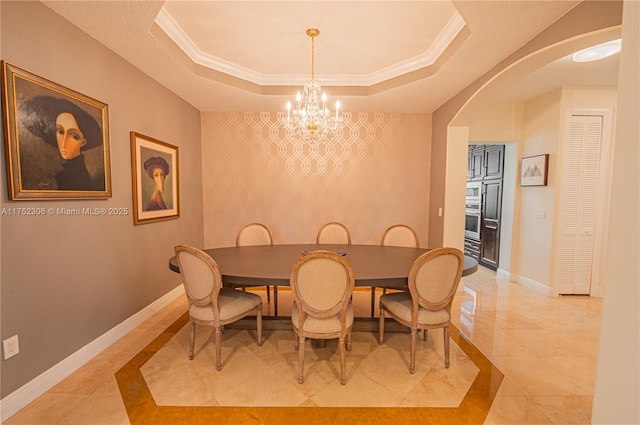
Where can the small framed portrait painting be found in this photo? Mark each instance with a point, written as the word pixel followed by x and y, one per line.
pixel 56 139
pixel 154 168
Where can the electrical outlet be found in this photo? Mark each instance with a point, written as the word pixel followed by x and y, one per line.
pixel 10 347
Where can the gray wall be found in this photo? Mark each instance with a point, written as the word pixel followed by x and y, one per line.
pixel 65 281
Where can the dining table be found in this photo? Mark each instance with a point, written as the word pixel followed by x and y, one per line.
pixel 373 265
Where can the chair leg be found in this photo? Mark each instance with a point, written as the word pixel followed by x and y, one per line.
pixel 275 300
pixel 259 325
pixel 268 294
pixel 301 359
pixel 296 343
pixel 343 361
pixel 218 334
pixel 381 326
pixel 424 334
pixel 412 361
pixel 373 300
pixel 348 340
pixel 192 339
pixel 446 346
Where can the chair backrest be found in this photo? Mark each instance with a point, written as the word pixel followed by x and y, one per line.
pixel 334 232
pixel 200 275
pixel 254 234
pixel 434 278
pixel 322 284
pixel 400 235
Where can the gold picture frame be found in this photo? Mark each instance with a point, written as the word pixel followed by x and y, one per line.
pixel 56 139
pixel 155 180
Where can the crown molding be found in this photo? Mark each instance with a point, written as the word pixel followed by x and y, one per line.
pixel 172 29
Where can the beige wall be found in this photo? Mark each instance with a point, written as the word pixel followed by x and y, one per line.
pixel 373 176
pixel 500 122
pixel 541 131
pixel 68 280
pixel 617 389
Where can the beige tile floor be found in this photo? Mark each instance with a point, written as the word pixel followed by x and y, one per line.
pixel 545 347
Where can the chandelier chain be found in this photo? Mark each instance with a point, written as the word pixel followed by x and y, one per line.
pixel 313 57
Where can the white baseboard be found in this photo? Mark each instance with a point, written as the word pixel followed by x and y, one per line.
pixel 503 274
pixel 534 285
pixel 33 389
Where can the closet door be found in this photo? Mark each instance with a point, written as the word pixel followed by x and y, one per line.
pixel 578 205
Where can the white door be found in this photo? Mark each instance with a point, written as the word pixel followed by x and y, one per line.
pixel 578 205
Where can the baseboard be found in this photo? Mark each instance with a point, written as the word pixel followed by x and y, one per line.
pixel 33 389
pixel 503 274
pixel 534 285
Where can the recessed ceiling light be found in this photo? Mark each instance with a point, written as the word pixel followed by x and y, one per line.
pixel 598 52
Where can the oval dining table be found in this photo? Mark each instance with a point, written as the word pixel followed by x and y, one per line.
pixel 373 265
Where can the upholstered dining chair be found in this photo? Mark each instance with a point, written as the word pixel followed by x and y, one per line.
pixel 433 281
pixel 322 284
pixel 254 234
pixel 334 232
pixel 396 235
pixel 210 303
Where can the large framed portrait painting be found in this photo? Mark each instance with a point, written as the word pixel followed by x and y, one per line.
pixel 154 168
pixel 56 139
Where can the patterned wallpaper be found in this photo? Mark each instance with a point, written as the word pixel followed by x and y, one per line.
pixel 375 174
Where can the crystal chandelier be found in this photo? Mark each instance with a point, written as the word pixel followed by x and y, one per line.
pixel 311 118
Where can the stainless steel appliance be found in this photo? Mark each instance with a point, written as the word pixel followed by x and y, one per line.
pixel 473 210
pixel 472 217
pixel 474 192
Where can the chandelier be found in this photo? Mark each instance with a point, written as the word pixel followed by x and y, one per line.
pixel 311 118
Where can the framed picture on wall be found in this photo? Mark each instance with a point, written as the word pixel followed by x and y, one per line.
pixel 534 170
pixel 154 168
pixel 56 139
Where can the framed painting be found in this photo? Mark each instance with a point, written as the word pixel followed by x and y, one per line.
pixel 534 170
pixel 154 168
pixel 56 139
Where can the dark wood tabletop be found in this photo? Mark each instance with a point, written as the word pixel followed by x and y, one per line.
pixel 373 265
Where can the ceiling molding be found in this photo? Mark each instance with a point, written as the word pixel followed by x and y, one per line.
pixel 177 35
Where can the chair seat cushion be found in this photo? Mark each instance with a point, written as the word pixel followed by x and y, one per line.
pixel 330 325
pixel 400 304
pixel 231 302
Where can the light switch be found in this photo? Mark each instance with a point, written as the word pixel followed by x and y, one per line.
pixel 542 213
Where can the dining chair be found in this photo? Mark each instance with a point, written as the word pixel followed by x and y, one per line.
pixel 258 234
pixel 322 284
pixel 433 281
pixel 210 303
pixel 396 235
pixel 334 233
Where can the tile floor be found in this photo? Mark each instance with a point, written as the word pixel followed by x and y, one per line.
pixel 545 347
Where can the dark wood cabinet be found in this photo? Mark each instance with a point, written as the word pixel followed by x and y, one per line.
pixel 493 161
pixel 490 228
pixel 472 248
pixel 476 163
pixel 485 162
pixel 486 165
